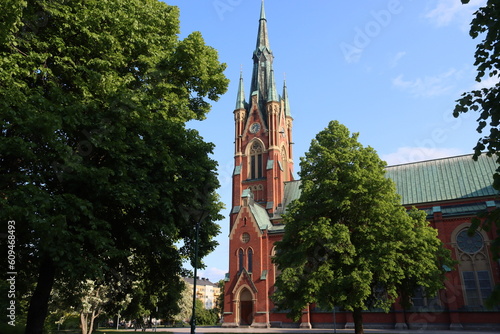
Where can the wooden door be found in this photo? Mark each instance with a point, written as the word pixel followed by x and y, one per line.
pixel 246 308
pixel 246 313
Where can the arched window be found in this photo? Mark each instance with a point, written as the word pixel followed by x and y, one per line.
pixel 250 260
pixel 256 161
pixel 474 267
pixel 241 259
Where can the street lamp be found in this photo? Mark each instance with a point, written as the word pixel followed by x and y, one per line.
pixel 193 312
pixel 334 320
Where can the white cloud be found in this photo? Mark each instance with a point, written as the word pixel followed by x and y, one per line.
pixel 397 58
pixel 453 11
pixel 411 154
pixel 486 83
pixel 213 274
pixel 428 86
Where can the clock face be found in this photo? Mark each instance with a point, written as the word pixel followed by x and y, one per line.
pixel 254 127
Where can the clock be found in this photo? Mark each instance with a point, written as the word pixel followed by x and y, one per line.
pixel 254 128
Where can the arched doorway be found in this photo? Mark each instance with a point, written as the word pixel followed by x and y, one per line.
pixel 246 308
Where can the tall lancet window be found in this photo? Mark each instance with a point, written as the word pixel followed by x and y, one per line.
pixel 255 168
pixel 474 267
pixel 241 260
pixel 250 260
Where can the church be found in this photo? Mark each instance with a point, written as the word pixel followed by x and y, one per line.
pixel 451 191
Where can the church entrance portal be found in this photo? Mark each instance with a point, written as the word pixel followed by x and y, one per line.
pixel 246 308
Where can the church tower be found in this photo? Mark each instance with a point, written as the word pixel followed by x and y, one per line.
pixel 263 132
pixel 263 186
pixel 263 166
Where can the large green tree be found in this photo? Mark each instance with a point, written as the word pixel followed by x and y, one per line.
pixel 97 167
pixel 486 101
pixel 348 242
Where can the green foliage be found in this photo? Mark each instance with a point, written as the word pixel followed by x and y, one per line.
pixel 486 101
pixel 205 317
pixel 96 164
pixel 219 303
pixel 348 242
pixel 185 305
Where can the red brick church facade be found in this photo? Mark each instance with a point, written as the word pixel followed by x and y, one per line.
pixel 450 190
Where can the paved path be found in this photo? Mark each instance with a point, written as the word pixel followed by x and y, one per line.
pixel 202 330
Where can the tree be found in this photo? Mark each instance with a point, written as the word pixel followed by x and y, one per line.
pixel 97 167
pixel 219 303
pixel 348 242
pixel 486 101
pixel 91 305
pixel 185 304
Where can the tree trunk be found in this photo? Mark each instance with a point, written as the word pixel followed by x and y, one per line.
pixel 39 302
pixel 91 325
pixel 83 322
pixel 87 321
pixel 358 321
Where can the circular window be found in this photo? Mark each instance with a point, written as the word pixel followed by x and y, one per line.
pixel 245 237
pixel 469 244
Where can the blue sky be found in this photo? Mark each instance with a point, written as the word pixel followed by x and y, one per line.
pixel 388 69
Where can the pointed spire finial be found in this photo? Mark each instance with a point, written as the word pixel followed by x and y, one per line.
pixel 285 97
pixel 272 94
pixel 240 99
pixel 262 38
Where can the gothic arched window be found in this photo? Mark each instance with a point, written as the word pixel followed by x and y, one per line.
pixel 241 260
pixel 474 267
pixel 250 260
pixel 256 161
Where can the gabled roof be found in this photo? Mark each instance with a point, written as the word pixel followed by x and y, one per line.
pixel 444 179
pixel 260 215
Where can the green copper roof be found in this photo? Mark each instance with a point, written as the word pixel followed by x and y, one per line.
pixel 237 170
pixel 262 11
pixel 272 94
pixel 444 179
pixel 262 38
pixel 292 192
pixel 260 215
pixel 262 62
pixel 240 100
pixel 432 181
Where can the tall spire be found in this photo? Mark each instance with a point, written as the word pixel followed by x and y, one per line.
pixel 262 61
pixel 262 38
pixel 272 94
pixel 287 102
pixel 240 100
